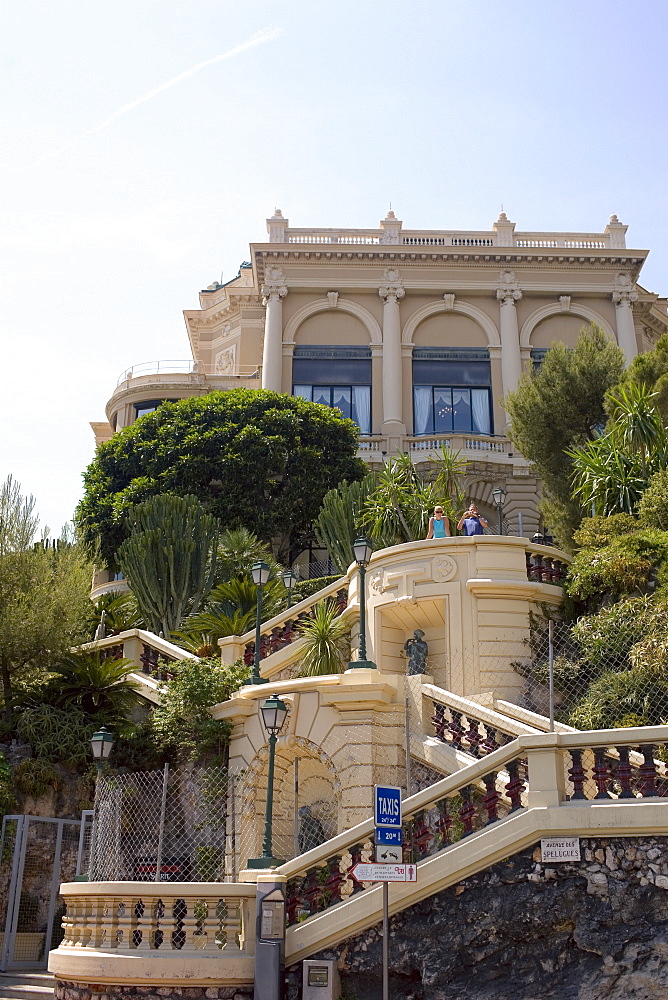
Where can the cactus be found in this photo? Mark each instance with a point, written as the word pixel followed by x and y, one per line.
pixel 336 526
pixel 169 559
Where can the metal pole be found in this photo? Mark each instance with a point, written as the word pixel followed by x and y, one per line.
pixel 520 526
pixel 93 834
pixel 407 738
pixel 550 647
pixel 161 830
pixel 233 827
pixel 266 846
pixel 386 942
pixel 500 512
pixel 296 788
pixel 362 653
pixel 258 638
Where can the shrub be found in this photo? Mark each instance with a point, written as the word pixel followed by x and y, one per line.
pixel 57 734
pixel 35 777
pixel 614 697
pixel 307 588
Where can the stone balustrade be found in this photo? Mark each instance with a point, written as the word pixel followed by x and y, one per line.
pixel 446 238
pixel 188 933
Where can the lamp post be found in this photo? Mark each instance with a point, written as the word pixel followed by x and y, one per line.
pixel 289 580
pixel 101 743
pixel 260 573
pixel 363 552
pixel 499 495
pixel 273 712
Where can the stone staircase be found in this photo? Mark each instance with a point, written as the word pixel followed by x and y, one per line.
pixel 26 986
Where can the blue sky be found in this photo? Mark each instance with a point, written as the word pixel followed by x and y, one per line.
pixel 117 210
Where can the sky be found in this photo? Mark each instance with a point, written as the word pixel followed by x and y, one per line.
pixel 145 142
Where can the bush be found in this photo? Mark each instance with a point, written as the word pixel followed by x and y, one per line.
pixel 35 777
pixel 57 734
pixel 607 638
pixel 307 588
pixel 7 797
pixel 615 697
pixel 653 505
pixel 595 532
pixel 629 563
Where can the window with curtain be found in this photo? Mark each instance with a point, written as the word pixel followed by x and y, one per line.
pixel 451 391
pixel 335 376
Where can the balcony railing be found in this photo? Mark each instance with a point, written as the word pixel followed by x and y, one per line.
pixel 188 367
pixel 453 238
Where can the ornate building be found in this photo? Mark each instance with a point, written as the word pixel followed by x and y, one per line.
pixel 416 335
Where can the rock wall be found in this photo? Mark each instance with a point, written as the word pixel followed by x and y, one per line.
pixel 596 929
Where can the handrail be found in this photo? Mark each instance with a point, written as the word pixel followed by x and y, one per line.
pixel 184 367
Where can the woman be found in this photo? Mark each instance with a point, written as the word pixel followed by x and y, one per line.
pixel 439 526
pixel 472 522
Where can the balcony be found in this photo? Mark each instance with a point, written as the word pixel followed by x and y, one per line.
pixel 476 447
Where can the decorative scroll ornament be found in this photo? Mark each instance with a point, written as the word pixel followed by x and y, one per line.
pixel 443 568
pixel 274 284
pixel 377 582
pixel 508 292
pixel 392 289
pixel 449 301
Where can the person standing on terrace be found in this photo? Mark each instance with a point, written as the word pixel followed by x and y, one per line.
pixel 439 526
pixel 472 522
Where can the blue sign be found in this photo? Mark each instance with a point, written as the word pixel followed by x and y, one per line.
pixel 387 806
pixel 385 835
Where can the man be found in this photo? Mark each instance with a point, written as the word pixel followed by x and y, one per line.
pixel 472 522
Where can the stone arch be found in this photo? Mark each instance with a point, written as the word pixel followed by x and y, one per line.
pixel 575 309
pixel 476 314
pixel 322 305
pixel 319 788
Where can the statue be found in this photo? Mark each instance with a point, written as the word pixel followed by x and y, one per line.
pixel 311 833
pixel 416 650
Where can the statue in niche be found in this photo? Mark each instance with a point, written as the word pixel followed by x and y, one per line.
pixel 311 833
pixel 416 651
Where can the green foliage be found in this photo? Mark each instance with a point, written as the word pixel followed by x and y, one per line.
pixel 35 777
pixel 653 504
pixel 137 749
pixel 169 559
pixel 607 638
pixel 121 613
pixel 595 532
pixel 611 473
pixel 230 610
pixel 44 604
pixel 7 798
pixel 182 724
pixel 237 551
pixel 61 735
pixel 651 370
pixel 337 524
pixel 276 456
pixel 630 563
pixel 616 698
pixel 101 688
pixel 561 407
pixel 325 641
pixel 306 588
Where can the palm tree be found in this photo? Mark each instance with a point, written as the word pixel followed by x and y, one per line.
pixel 325 647
pixel 99 687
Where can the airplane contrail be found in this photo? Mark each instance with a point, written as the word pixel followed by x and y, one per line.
pixel 266 35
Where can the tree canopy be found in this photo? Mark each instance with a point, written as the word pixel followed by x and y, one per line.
pixel 561 407
pixel 255 459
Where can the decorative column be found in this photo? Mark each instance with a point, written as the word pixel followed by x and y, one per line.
pixel 508 293
pixel 274 291
pixel 624 296
pixel 392 291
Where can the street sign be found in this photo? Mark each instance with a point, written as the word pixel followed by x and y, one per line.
pixel 389 855
pixel 367 872
pixel 385 835
pixel 387 806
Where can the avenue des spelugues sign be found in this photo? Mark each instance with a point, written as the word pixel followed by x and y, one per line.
pixel 556 849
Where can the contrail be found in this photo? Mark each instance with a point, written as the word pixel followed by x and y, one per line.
pixel 266 35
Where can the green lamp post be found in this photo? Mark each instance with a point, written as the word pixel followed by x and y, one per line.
pixel 260 573
pixel 363 551
pixel 499 495
pixel 102 743
pixel 289 580
pixel 274 713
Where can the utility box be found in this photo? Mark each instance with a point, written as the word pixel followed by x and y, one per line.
pixel 321 980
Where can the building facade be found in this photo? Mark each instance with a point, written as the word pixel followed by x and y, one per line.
pixel 415 335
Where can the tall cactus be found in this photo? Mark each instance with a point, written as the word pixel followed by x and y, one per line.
pixel 169 558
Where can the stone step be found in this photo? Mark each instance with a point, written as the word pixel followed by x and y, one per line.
pixel 26 986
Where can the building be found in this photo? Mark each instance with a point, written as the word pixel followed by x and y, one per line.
pixel 416 335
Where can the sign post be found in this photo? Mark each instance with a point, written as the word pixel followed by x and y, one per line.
pixel 387 820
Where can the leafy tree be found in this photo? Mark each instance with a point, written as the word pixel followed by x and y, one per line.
pixel 44 604
pixel 101 688
pixel 121 613
pixel 182 724
pixel 169 559
pixel 653 504
pixel 561 407
pixel 651 370
pixel 255 459
pixel 325 641
pixel 611 473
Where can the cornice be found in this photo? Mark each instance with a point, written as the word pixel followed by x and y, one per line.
pixel 210 318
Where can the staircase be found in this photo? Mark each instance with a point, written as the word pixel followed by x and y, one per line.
pixel 26 986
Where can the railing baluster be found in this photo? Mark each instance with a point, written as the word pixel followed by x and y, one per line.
pixel 647 771
pixel 444 822
pixel 491 799
pixel 334 880
pixel 356 856
pixel 601 773
pixel 422 835
pixel 624 773
pixel 467 811
pixel 456 729
pixel 439 721
pixel 515 785
pixel 577 774
pixel 312 890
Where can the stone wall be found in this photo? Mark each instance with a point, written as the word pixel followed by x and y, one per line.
pixel 103 991
pixel 586 930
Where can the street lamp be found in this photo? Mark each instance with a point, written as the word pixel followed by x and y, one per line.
pixel 363 552
pixel 499 495
pixel 289 580
pixel 102 744
pixel 260 573
pixel 273 712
